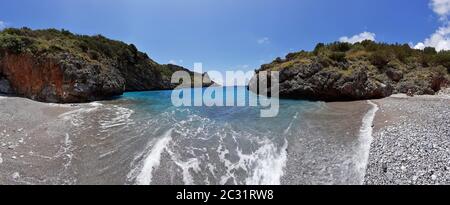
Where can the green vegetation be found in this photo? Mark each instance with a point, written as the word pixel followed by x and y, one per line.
pixel 16 44
pixel 368 53
pixel 95 49
pixel 344 71
pixel 53 41
pixel 86 52
pixel 338 56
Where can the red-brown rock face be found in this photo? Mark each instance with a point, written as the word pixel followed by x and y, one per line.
pixel 62 79
pixel 30 78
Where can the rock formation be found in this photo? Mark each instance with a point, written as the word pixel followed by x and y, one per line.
pixel 58 66
pixel 367 70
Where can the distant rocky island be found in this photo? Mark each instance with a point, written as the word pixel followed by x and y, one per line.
pixel 61 67
pixel 366 70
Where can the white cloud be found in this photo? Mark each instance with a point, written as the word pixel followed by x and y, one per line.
pixel 440 39
pixel 441 7
pixel 358 38
pixel 263 40
pixel 420 46
pixel 2 25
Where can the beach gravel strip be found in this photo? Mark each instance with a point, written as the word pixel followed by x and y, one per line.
pixel 411 142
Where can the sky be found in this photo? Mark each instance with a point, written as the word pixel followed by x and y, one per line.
pixel 237 34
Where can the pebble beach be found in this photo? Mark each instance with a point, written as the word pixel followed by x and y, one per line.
pixel 411 142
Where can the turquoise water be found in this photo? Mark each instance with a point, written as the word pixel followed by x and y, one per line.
pixel 218 145
pixel 142 138
pixel 159 102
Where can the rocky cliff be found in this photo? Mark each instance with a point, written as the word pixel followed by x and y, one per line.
pixel 366 70
pixel 58 66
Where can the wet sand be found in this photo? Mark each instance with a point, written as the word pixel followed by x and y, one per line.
pixel 338 127
pixel 33 144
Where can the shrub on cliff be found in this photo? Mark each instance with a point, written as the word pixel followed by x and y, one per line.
pixel 402 52
pixel 52 42
pixel 427 56
pixel 340 47
pixel 338 56
pixel 319 47
pixel 301 54
pixel 442 58
pixel 368 45
pixel 16 44
pixel 429 51
pixel 380 58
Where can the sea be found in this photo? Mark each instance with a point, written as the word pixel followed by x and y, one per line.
pixel 143 138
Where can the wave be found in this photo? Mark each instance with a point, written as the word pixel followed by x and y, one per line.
pixel 120 116
pixel 365 140
pixel 269 164
pixel 152 160
pixel 75 116
pixel 210 152
pixel 263 167
pixel 186 166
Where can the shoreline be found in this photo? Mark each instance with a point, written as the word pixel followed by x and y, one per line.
pixel 327 148
pixel 36 149
pixel 366 138
pixel 32 142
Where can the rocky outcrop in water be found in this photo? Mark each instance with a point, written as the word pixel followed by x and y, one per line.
pixel 316 83
pixel 58 66
pixel 367 70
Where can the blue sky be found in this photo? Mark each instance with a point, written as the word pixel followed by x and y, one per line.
pixel 228 34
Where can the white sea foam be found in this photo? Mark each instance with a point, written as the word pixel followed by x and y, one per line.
pixel 230 166
pixel 269 164
pixel 95 104
pixel 121 117
pixel 152 160
pixel 74 116
pixel 107 154
pixel 365 140
pixel 191 164
pixel 67 150
pixel 286 131
pixel 264 166
pixel 262 162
